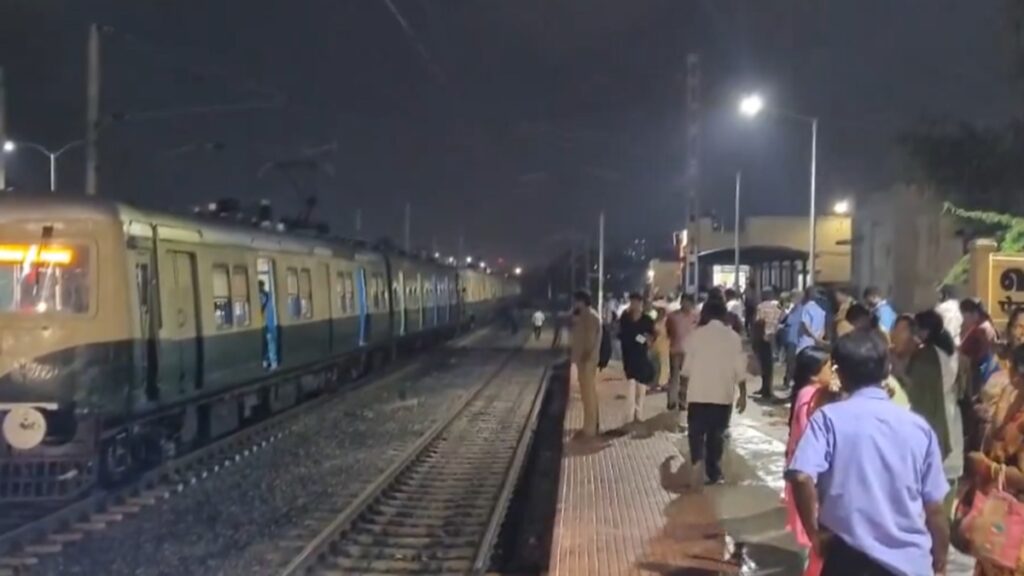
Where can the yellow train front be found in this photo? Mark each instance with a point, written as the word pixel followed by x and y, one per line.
pixel 127 337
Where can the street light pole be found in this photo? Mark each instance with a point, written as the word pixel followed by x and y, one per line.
pixel 10 146
pixel 53 172
pixel 736 236
pixel 752 105
pixel 812 256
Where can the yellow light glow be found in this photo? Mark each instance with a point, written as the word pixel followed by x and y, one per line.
pixel 13 253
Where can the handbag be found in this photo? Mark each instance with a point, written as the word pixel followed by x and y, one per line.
pixel 992 529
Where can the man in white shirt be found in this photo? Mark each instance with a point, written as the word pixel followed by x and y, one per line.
pixel 714 365
pixel 949 309
pixel 538 324
pixel 733 303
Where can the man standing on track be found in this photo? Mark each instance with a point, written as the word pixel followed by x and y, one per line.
pixel 538 323
pixel 714 365
pixel 585 349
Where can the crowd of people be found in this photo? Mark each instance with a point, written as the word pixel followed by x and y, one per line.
pixel 898 422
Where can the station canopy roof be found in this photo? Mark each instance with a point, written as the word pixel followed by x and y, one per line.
pixel 751 255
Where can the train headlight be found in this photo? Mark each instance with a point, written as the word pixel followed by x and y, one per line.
pixel 24 428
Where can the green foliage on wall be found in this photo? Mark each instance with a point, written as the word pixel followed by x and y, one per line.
pixel 1007 229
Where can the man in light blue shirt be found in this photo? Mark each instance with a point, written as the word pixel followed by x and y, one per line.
pixel 875 470
pixel 791 335
pixel 880 307
pixel 812 321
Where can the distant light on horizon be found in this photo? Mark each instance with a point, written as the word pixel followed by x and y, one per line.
pixel 751 105
pixel 469 259
pixel 518 271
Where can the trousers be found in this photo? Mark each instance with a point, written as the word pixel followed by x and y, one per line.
pixel 587 377
pixel 841 559
pixel 763 349
pixel 706 426
pixel 676 387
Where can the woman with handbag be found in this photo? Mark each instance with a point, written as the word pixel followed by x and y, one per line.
pixel 990 524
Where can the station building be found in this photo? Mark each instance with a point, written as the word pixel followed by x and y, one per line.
pixel 773 252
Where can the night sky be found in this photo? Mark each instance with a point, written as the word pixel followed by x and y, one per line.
pixel 510 120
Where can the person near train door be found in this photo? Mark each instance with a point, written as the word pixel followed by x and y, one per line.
pixel 269 327
pixel 585 347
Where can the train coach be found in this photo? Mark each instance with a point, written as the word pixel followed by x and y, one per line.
pixel 128 337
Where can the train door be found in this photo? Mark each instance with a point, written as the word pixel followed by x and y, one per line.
pixel 421 293
pixel 146 305
pixel 445 300
pixel 364 317
pixel 188 349
pixel 332 305
pixel 268 307
pixel 435 300
pixel 400 302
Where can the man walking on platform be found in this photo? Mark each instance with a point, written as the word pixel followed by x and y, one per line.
pixel 714 365
pixel 678 326
pixel 867 475
pixel 766 324
pixel 585 349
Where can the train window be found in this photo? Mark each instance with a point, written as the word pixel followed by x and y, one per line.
pixel 292 284
pixel 306 293
pixel 350 293
pixel 240 295
pixel 376 285
pixel 339 291
pixel 38 279
pixel 221 296
pixel 142 289
pixel 142 285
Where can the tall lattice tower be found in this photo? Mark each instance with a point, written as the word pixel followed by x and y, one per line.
pixel 692 178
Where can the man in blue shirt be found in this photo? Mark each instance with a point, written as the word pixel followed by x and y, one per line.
pixel 880 307
pixel 790 336
pixel 812 321
pixel 867 475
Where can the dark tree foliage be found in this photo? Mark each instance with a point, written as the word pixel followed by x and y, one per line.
pixel 973 166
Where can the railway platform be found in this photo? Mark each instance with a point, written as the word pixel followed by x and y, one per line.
pixel 625 506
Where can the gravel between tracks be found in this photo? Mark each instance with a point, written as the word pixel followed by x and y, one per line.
pixel 233 522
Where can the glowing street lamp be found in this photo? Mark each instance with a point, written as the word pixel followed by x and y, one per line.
pixel 841 207
pixel 518 271
pixel 11 146
pixel 752 105
pixel 469 259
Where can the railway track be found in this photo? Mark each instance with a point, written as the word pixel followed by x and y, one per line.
pixel 32 531
pixel 440 508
